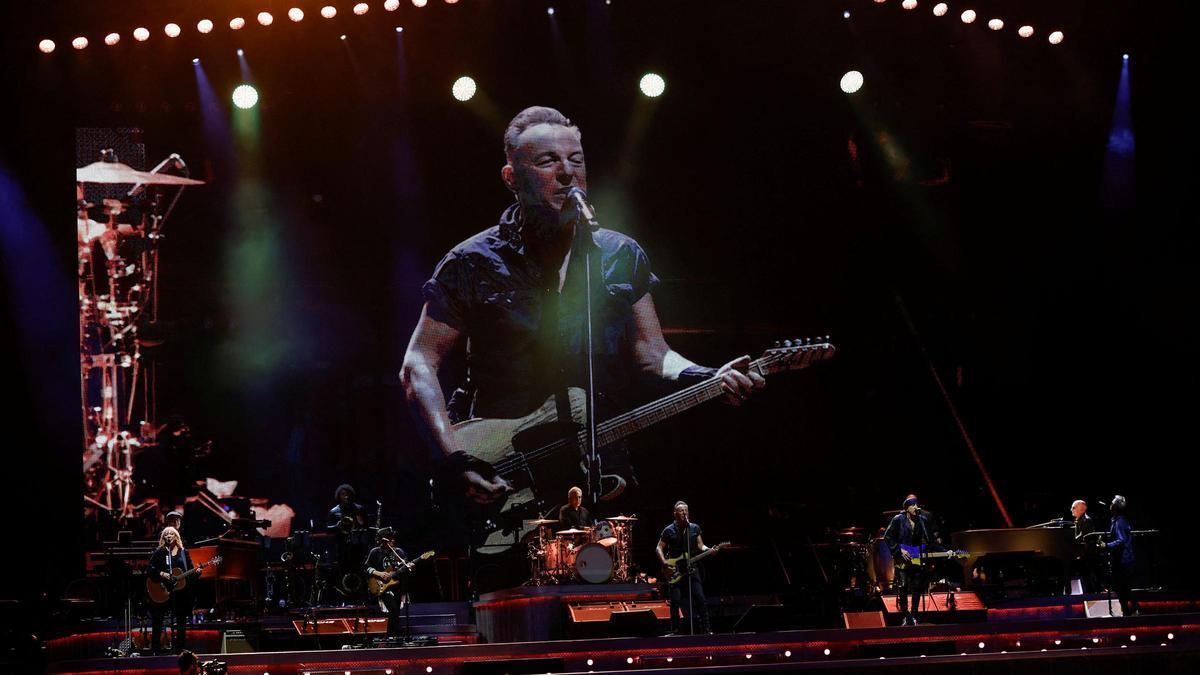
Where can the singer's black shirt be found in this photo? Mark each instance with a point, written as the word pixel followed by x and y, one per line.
pixel 901 531
pixel 525 339
pixel 677 544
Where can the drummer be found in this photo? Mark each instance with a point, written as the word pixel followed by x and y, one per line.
pixel 574 514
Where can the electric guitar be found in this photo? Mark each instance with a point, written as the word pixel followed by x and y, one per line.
pixel 539 453
pixel 917 557
pixel 160 589
pixel 682 565
pixel 377 586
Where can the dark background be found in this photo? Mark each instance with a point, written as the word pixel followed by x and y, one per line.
pixel 1055 310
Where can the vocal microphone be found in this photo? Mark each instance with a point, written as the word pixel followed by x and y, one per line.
pixel 586 211
pixel 1101 502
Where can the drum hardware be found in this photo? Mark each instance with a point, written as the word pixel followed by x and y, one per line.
pixel 115 293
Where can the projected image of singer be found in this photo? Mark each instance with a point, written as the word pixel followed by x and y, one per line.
pixel 513 294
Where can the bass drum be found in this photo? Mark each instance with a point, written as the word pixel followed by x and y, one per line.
pixel 880 566
pixel 594 563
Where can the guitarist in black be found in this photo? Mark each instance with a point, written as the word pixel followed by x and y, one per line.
pixel 683 537
pixel 909 528
pixel 512 294
pixel 170 554
pixel 382 562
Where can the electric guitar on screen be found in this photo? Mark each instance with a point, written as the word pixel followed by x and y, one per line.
pixel 537 453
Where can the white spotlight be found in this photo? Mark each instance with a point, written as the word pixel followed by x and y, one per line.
pixel 391 5
pixel 399 29
pixel 1025 31
pixel 851 82
pixel 237 23
pixel 463 88
pixel 909 4
pixel 846 14
pixel 968 16
pixel 941 9
pixel 141 34
pixel 46 46
pixel 652 85
pixel 245 96
pixel 172 30
pixel 112 39
pixel 329 11
pixel 296 14
pixel 420 3
pixel 204 26
pixel 265 18
pixel 996 24
pixel 550 11
pixel 1056 37
pixel 361 8
pixel 79 42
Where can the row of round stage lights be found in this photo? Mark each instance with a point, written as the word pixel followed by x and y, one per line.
pixel 969 16
pixel 205 26
pixel 464 88
pixel 652 85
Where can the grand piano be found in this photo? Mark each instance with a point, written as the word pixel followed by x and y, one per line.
pixel 1014 562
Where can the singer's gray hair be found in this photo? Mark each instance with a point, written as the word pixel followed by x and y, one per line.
pixel 531 117
pixel 1078 502
pixel 680 503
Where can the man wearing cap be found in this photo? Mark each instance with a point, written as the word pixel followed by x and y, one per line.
pixel 909 528
pixel 1119 544
pixel 383 561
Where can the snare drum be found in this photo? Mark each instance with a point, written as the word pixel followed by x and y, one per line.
pixel 594 563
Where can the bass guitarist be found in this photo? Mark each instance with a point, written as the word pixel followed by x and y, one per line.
pixel 169 555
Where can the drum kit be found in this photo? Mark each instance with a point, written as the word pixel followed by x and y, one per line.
pixel 858 560
pixel 118 240
pixel 594 555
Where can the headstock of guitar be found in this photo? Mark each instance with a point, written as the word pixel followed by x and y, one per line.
pixel 795 354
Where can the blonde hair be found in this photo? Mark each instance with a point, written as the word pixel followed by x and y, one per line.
pixel 162 538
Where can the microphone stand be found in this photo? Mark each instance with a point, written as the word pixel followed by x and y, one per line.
pixel 688 563
pixel 584 244
pixel 408 641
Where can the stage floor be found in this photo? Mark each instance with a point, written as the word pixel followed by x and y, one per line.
pixel 1055 644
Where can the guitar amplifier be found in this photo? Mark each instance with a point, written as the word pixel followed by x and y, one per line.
pixel 234 642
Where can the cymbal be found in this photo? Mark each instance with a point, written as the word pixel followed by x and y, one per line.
pixel 622 519
pixel 123 174
pixel 540 521
pixel 572 531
